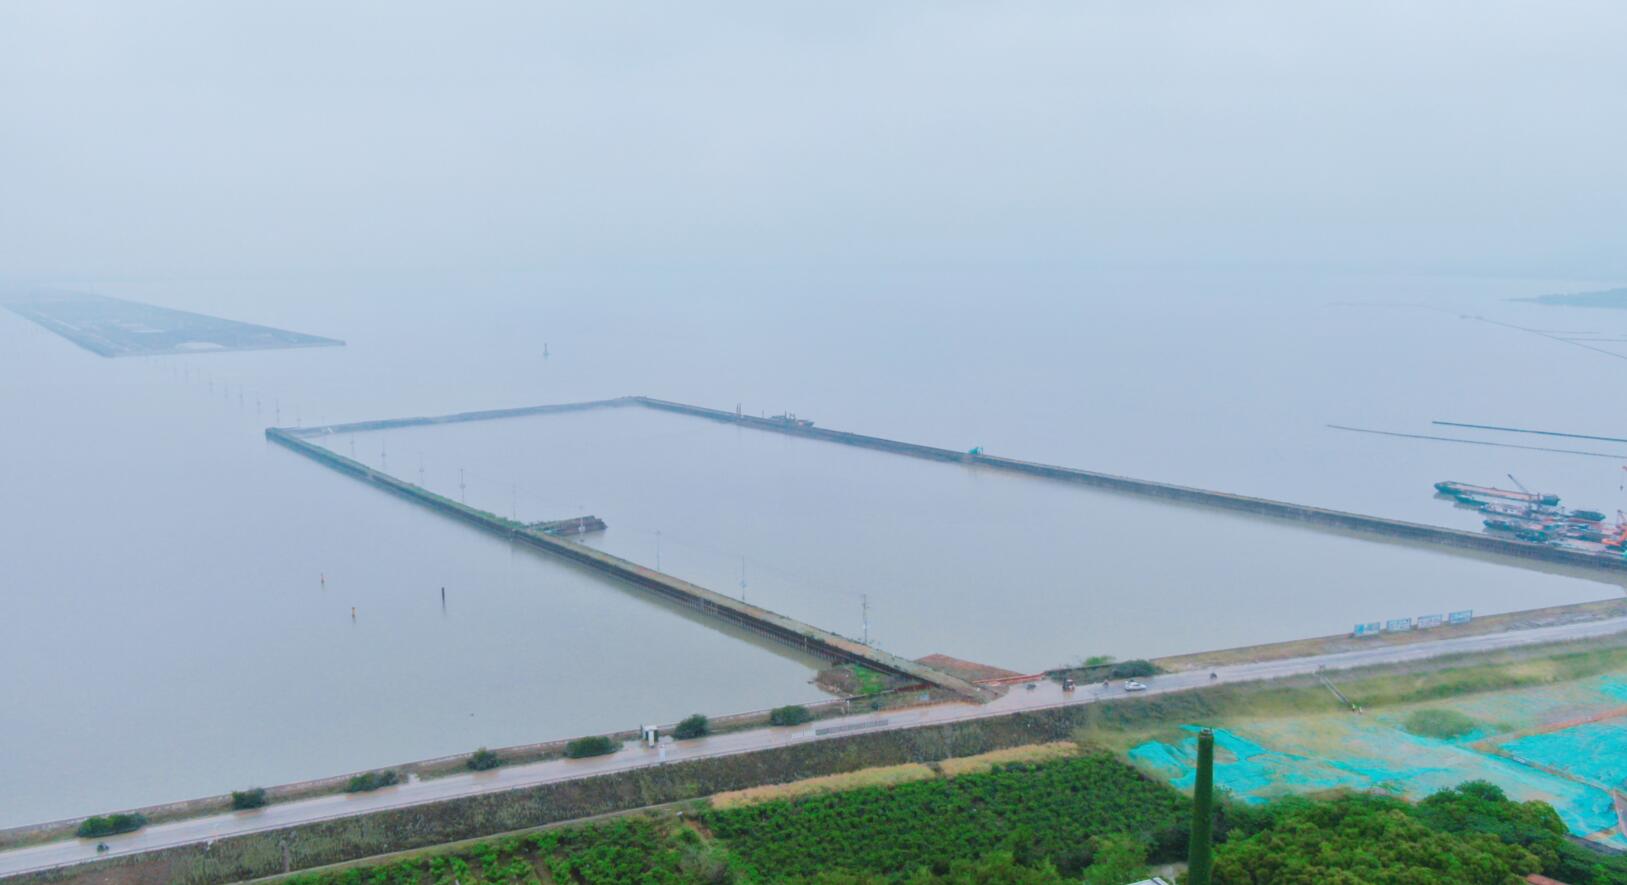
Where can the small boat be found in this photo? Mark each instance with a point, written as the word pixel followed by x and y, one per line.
pixel 1517 525
pixel 1463 488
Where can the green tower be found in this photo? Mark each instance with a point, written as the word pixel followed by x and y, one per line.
pixel 1199 861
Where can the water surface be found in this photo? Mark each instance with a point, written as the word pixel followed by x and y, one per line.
pixel 168 635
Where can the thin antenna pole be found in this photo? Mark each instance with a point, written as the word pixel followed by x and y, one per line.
pixel 864 602
pixel 462 498
pixel 742 579
pixel 1200 858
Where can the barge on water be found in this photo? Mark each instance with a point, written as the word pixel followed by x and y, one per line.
pixel 1538 519
pixel 1463 489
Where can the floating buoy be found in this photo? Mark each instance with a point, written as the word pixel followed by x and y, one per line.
pixel 353 613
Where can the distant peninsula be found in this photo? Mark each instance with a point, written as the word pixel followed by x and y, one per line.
pixel 1614 298
pixel 113 327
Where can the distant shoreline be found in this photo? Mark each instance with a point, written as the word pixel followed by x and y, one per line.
pixel 1615 299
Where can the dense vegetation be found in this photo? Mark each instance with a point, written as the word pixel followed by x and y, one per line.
pixel 1472 834
pixel 1133 669
pixel 692 727
pixel 597 745
pixel 483 760
pixel 1047 812
pixel 793 714
pixel 372 780
pixel 251 798
pixel 111 825
pixel 626 850
pixel 869 682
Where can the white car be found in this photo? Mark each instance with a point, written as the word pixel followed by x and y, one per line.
pixel 1132 685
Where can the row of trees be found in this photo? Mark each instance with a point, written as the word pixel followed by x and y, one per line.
pixel 483 759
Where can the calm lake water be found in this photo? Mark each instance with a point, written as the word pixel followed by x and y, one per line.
pixel 168 633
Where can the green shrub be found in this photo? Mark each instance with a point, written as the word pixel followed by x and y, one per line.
pixel 112 824
pixel 253 797
pixel 1133 669
pixel 793 714
pixel 1116 860
pixel 483 760
pixel 597 745
pixel 1366 839
pixel 1443 724
pixel 372 780
pixel 692 727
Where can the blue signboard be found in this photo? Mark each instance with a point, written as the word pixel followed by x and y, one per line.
pixel 1462 617
pixel 1427 621
pixel 1371 628
pixel 1397 624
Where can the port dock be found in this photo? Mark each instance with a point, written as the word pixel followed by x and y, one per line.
pixel 789 631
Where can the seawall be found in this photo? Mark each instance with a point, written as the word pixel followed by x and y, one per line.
pixel 1315 516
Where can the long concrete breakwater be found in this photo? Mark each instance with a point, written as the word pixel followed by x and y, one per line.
pixel 789 631
pixel 1301 513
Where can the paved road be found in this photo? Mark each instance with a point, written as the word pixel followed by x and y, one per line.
pixel 1046 695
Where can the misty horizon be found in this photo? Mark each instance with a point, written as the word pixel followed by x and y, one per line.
pixel 185 139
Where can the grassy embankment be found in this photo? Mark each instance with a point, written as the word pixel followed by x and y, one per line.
pixel 1115 725
pixel 1159 717
pixel 328 842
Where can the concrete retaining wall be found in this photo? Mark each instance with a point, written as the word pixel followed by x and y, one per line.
pixel 790 631
pixel 1315 516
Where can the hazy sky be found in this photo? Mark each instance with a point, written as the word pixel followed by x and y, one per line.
pixel 242 137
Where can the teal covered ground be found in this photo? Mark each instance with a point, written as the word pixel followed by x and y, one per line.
pixel 1574 769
